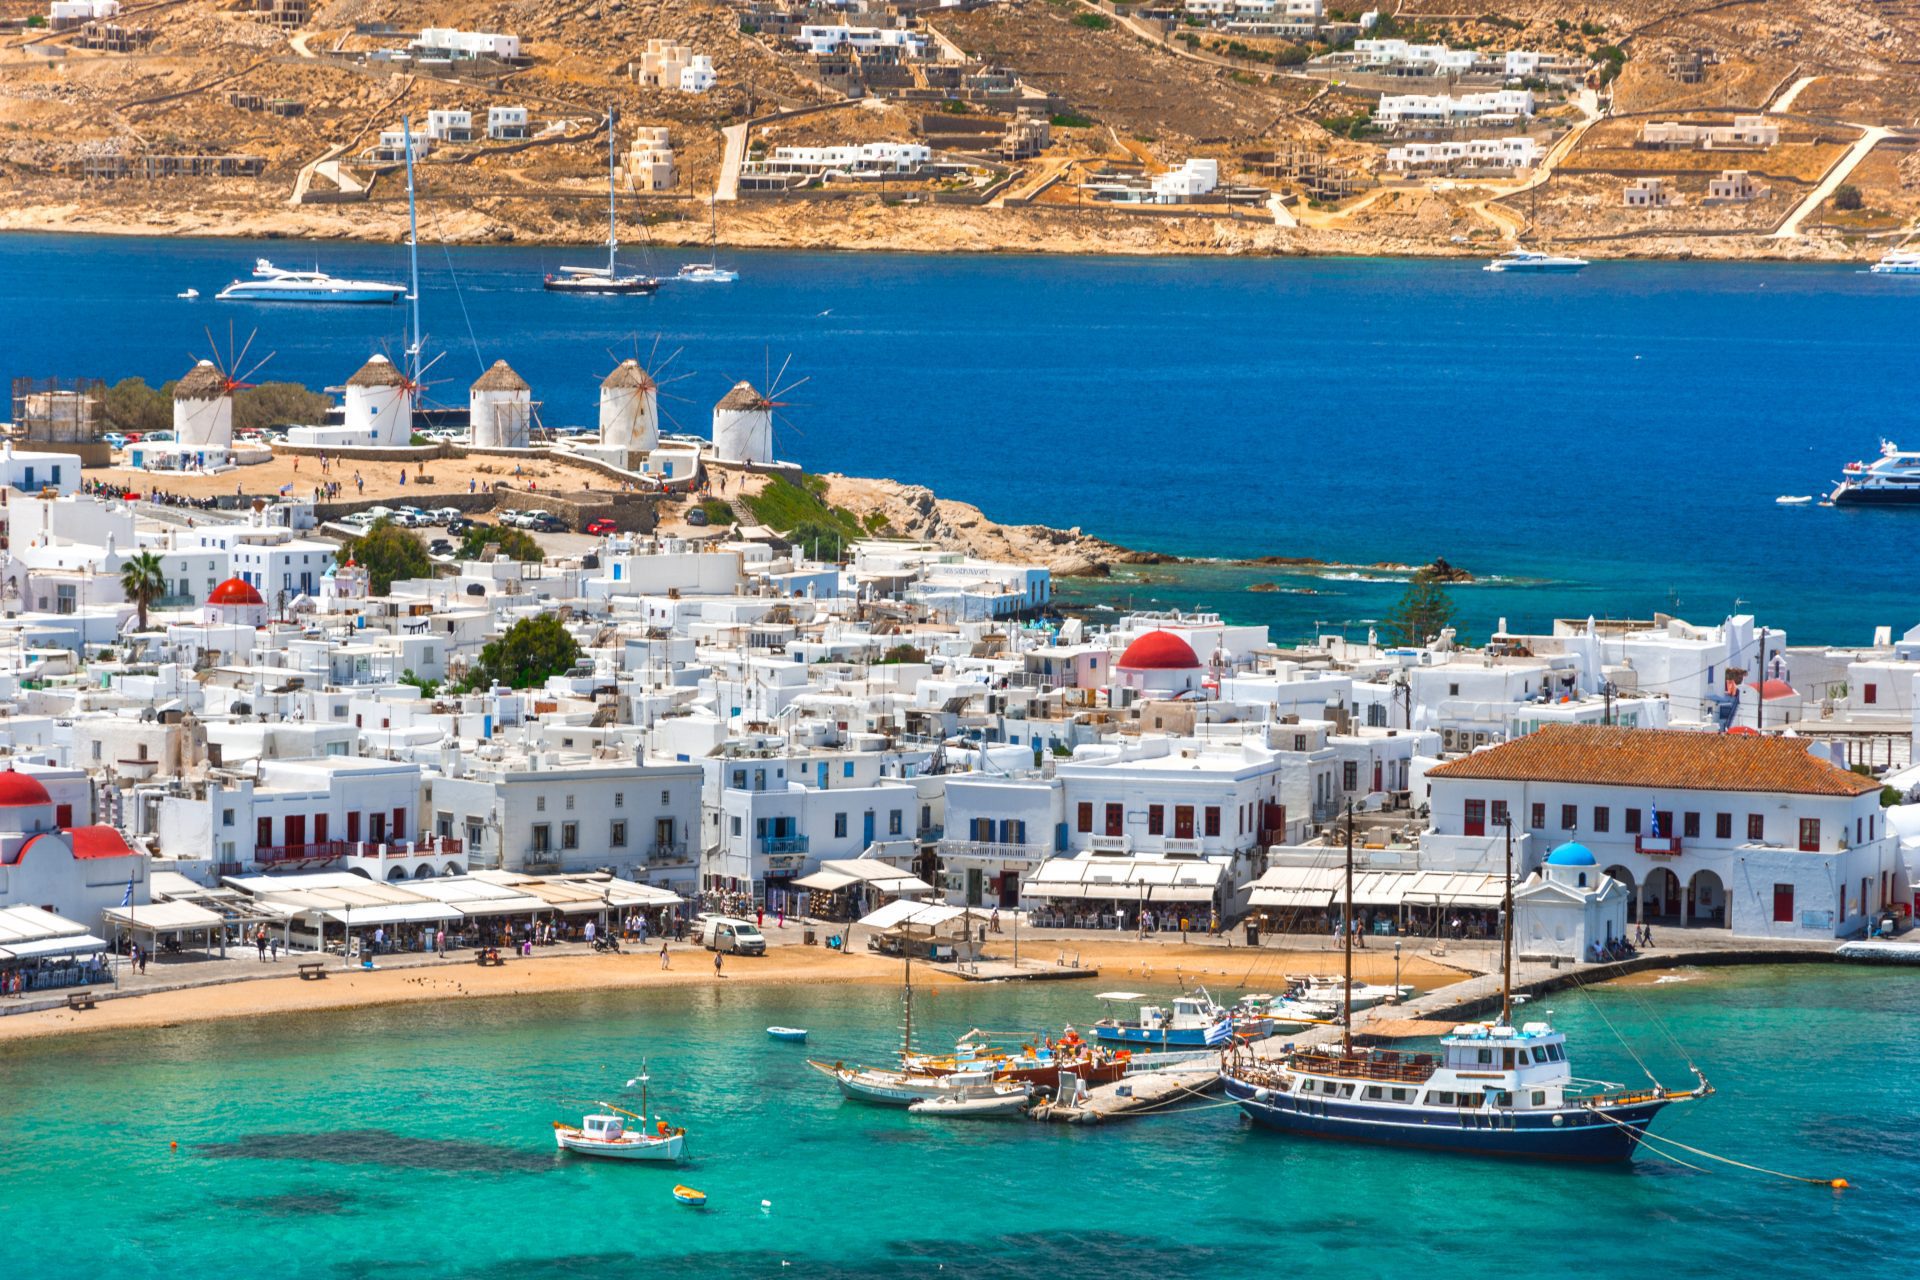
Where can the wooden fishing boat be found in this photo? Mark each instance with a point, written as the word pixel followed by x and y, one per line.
pixel 607 1134
pixel 689 1196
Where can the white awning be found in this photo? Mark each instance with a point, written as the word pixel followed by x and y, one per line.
pixel 1292 899
pixel 925 915
pixel 1455 889
pixel 1180 893
pixel 164 917
pixel 392 913
pixel 71 945
pixel 1381 888
pixel 825 881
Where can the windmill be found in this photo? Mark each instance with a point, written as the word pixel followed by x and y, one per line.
pixel 743 420
pixel 203 399
pixel 630 400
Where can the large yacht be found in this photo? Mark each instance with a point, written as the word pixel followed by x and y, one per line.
pixel 1892 479
pixel 1532 260
pixel 276 284
pixel 1898 262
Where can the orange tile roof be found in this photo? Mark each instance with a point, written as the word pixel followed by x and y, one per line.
pixel 1666 759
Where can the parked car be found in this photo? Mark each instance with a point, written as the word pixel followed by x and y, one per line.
pixel 696 517
pixel 439 547
pixel 602 526
pixel 115 439
pixel 361 520
pixel 444 515
pixel 545 523
pixel 411 518
pixel 460 525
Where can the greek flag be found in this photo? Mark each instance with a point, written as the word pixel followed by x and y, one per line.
pixel 1219 1033
pixel 126 899
pixel 1653 822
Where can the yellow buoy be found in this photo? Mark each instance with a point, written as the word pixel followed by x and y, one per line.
pixel 1839 1184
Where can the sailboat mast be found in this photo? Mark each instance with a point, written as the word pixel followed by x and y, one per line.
pixel 906 1036
pixel 613 232
pixel 413 256
pixel 1506 936
pixel 1346 928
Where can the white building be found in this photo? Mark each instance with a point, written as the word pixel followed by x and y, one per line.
pixel 1748 833
pixel 743 426
pixel 699 74
pixel 820 40
pixel 448 125
pixel 1497 105
pixel 37 472
pixel 1568 909
pixel 1196 177
pixel 506 123
pixel 449 42
pixel 1519 152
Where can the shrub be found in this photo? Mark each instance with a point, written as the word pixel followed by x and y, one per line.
pixel 1072 120
pixel 1092 21
pixel 1847 197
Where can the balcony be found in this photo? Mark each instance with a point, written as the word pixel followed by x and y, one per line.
pixel 667 853
pixel 1110 844
pixel 1657 846
pixel 317 851
pixel 783 844
pixel 439 844
pixel 541 862
pixel 1183 844
pixel 994 850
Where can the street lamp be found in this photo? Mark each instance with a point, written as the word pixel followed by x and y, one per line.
pixel 1396 971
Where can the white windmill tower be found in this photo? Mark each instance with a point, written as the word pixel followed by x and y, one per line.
pixel 500 409
pixel 630 409
pixel 203 399
pixel 379 404
pixel 743 421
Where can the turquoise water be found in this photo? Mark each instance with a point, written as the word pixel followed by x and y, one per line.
pixel 1608 443
pixel 414 1142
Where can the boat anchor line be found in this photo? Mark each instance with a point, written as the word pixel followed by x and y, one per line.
pixel 1838 1184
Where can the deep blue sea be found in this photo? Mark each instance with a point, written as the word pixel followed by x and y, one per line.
pixel 1609 443
pixel 413 1144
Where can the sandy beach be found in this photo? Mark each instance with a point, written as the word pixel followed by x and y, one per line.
pixel 1117 962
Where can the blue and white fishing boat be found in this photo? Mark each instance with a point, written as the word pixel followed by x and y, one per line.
pixel 1194 1022
pixel 276 284
pixel 1494 1089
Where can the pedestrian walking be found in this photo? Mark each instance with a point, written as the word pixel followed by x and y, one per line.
pixel 718 956
pixel 665 963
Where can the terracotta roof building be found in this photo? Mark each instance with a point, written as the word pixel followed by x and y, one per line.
pixel 1659 758
pixel 1752 834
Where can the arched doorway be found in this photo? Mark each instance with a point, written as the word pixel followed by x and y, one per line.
pixel 1706 900
pixel 1625 877
pixel 1660 897
pixel 396 873
pixel 423 872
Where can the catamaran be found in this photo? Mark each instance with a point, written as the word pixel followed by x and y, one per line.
pixel 277 284
pixel 710 271
pixel 605 279
pixel 1494 1089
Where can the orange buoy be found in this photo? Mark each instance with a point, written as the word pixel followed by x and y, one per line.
pixel 1839 1184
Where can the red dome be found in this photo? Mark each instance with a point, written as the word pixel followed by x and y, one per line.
pixel 1159 651
pixel 235 591
pixel 1772 689
pixel 17 789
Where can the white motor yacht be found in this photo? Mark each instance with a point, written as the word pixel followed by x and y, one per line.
pixel 277 284
pixel 1898 262
pixel 1531 260
pixel 1891 480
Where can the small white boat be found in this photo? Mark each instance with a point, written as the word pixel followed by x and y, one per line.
pixel 706 273
pixel 607 1134
pixel 959 1107
pixel 1794 500
pixel 793 1034
pixel 188 294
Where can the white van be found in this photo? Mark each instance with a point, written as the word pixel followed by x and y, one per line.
pixel 726 933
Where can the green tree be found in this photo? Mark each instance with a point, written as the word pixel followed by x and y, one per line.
pixel 531 650
pixel 386 551
pixel 902 653
pixel 1423 611
pixel 515 544
pixel 132 405
pixel 819 541
pixel 143 580
pixel 1847 197
pixel 277 404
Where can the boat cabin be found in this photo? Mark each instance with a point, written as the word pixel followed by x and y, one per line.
pixel 1480 1066
pixel 603 1128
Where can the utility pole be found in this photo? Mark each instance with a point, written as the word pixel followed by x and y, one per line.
pixel 1760 687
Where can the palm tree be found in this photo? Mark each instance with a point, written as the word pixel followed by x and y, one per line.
pixel 143 580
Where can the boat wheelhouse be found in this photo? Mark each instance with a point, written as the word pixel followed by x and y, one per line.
pixel 1193 1022
pixel 1892 479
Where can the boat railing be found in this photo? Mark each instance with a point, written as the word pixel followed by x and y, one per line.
pixel 1411 1071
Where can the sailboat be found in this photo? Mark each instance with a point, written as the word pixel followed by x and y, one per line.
pixel 905 1087
pixel 1495 1089
pixel 605 279
pixel 708 272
